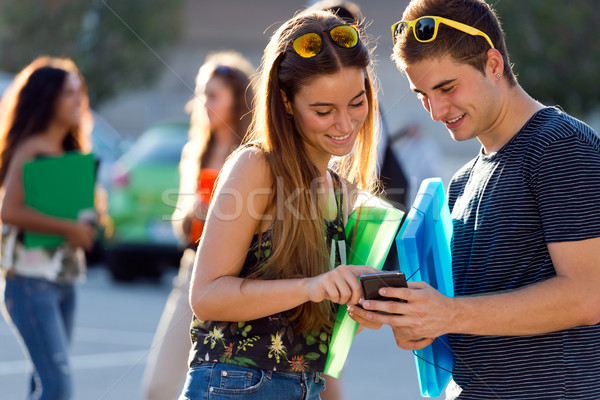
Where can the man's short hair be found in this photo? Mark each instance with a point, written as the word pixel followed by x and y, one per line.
pixel 461 46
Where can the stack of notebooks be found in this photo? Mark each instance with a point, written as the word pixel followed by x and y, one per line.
pixel 423 245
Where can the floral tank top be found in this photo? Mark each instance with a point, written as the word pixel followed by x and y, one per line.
pixel 270 343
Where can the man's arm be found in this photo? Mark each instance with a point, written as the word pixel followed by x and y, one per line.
pixel 570 299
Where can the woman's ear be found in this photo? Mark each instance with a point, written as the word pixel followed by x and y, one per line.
pixel 286 103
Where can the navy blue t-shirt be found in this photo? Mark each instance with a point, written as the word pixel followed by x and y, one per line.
pixel 542 187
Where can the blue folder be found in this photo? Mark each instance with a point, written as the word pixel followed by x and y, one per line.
pixel 423 245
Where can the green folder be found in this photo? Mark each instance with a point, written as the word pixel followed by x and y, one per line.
pixel 61 187
pixel 370 232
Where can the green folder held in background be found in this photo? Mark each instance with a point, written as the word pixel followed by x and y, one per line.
pixel 61 187
pixel 370 232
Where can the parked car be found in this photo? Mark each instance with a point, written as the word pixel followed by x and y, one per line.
pixel 142 194
pixel 107 145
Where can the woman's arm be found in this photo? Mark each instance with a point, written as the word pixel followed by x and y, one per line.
pixel 238 206
pixel 16 213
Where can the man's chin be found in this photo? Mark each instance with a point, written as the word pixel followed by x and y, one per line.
pixel 460 135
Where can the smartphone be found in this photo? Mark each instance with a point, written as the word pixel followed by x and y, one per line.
pixel 371 283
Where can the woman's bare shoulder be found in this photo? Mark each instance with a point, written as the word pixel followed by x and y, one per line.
pixel 28 150
pixel 249 164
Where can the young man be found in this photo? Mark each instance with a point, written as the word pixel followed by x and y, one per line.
pixel 526 218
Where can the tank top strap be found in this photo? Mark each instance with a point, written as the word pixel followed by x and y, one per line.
pixel 339 194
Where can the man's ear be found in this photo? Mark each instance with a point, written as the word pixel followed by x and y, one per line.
pixel 495 63
pixel 286 103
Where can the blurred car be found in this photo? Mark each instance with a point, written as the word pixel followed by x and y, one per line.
pixel 142 194
pixel 108 145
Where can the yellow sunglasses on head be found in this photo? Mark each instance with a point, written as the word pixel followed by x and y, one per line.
pixel 425 29
pixel 310 44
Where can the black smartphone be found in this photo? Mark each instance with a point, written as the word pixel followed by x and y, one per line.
pixel 371 283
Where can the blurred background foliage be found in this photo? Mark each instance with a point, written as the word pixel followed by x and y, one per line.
pixel 101 36
pixel 555 46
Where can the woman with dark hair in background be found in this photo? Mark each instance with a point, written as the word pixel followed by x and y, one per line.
pixel 270 267
pixel 220 119
pixel 44 113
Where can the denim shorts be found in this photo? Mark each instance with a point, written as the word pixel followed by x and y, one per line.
pixel 220 381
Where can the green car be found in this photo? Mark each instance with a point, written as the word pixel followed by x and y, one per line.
pixel 142 194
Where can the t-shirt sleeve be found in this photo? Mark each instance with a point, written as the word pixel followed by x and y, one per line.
pixel 567 189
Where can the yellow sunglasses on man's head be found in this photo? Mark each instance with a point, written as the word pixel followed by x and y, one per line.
pixel 425 29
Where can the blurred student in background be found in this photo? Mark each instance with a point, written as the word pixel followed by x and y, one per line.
pixel 220 118
pixel 44 113
pixel 420 155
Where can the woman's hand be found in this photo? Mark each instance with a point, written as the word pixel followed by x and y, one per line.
pixel 339 285
pixel 364 323
pixel 81 234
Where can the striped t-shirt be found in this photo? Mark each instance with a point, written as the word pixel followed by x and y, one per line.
pixel 542 187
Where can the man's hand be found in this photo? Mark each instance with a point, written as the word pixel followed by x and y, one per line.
pixel 565 301
pixel 426 314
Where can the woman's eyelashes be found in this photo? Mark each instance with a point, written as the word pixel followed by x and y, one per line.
pixel 448 89
pixel 327 113
pixel 357 105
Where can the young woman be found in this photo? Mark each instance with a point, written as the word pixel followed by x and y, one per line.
pixel 270 266
pixel 220 118
pixel 44 113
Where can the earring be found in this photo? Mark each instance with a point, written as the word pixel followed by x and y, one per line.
pixel 290 116
pixel 498 76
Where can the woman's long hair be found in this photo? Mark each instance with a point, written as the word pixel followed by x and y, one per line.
pixel 28 107
pixel 299 248
pixel 236 72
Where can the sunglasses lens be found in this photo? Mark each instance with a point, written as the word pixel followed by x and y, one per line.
pixel 401 27
pixel 398 29
pixel 308 45
pixel 425 29
pixel 344 36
